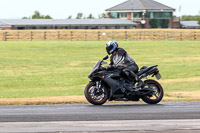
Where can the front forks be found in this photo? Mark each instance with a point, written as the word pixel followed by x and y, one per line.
pixel 98 86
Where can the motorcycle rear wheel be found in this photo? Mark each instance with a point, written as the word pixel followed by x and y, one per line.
pixel 90 96
pixel 157 96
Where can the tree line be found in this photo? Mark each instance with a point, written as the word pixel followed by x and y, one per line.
pixel 191 18
pixel 38 15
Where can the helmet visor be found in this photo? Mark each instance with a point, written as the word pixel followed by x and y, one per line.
pixel 108 49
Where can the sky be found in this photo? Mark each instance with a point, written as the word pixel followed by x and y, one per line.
pixel 61 9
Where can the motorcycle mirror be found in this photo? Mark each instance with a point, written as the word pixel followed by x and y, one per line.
pixel 104 63
pixel 105 57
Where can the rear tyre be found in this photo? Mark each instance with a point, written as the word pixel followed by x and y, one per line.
pixel 157 94
pixel 96 98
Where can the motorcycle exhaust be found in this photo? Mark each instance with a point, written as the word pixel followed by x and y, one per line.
pixel 152 71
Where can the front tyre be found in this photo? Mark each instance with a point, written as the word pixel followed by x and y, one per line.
pixel 157 92
pixel 95 96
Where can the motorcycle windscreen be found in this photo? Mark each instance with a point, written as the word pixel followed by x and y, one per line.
pixel 96 67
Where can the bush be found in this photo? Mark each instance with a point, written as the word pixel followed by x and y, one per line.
pixel 165 23
pixel 153 23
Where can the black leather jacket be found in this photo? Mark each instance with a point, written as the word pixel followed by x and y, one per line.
pixel 121 59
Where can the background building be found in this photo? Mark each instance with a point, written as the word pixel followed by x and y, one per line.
pixel 127 15
pixel 190 25
pixel 21 24
pixel 148 13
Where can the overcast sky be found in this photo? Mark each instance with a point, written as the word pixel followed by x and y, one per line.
pixel 61 9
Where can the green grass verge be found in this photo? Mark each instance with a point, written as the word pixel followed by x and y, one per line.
pixel 42 69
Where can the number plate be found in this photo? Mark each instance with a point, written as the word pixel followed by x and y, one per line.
pixel 158 76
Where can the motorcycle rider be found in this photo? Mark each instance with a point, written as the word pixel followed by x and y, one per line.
pixel 120 59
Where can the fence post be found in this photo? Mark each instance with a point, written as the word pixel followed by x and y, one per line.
pixel 139 35
pixel 18 36
pixel 154 35
pixel 98 35
pixel 125 35
pixel 85 36
pixel 58 35
pixel 195 35
pixel 5 36
pixel 31 36
pixel 71 35
pixel 44 35
pixel 166 35
pixel 181 36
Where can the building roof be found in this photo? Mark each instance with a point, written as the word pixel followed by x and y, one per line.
pixel 60 22
pixel 190 24
pixel 140 5
pixel 3 24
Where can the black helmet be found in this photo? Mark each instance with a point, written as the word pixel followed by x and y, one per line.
pixel 111 46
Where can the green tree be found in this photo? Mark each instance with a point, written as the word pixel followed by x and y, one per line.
pixel 26 18
pixel 174 16
pixel 199 21
pixel 47 17
pixel 79 15
pixel 37 15
pixel 190 18
pixel 69 17
pixel 103 15
pixel 91 16
pixel 153 23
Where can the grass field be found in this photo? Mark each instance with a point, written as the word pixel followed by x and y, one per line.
pixel 50 69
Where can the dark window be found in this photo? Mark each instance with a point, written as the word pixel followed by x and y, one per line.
pixel 112 27
pixel 167 15
pixel 124 15
pixel 137 15
pixel 42 27
pixel 159 15
pixel 122 27
pixel 84 27
pixel 74 27
pixel 148 15
pixel 103 27
pixel 94 27
pixel 114 15
pixel 20 28
pixel 32 27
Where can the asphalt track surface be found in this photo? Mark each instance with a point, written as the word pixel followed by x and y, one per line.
pixel 185 113
pixel 87 112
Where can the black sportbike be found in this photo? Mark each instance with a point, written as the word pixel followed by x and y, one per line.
pixel 112 85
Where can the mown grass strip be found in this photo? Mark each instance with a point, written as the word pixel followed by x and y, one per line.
pixel 59 69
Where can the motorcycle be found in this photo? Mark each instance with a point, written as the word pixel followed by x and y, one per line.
pixel 112 85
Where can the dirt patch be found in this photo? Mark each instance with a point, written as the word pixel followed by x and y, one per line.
pixel 44 100
pixel 183 96
pixel 191 95
pixel 180 80
pixel 187 96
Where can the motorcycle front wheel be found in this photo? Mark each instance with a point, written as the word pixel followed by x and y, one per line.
pixel 157 92
pixel 94 96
